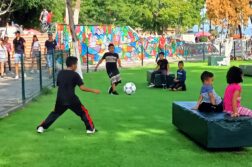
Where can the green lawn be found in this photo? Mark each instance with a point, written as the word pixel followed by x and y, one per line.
pixel 133 130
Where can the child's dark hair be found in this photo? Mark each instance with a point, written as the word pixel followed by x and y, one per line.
pixel 180 62
pixel 160 53
pixel 70 61
pixel 234 75
pixel 111 45
pixel 206 75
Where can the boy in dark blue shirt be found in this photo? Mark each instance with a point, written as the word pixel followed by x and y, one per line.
pixel 179 82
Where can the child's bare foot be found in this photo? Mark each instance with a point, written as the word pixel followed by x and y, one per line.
pixel 174 89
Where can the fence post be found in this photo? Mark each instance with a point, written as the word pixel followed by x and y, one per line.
pixel 246 46
pixel 53 69
pixel 234 51
pixel 40 72
pixel 204 52
pixel 62 58
pixel 23 79
pixel 142 52
pixel 87 61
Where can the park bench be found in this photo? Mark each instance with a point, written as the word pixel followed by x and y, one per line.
pixel 160 80
pixel 247 69
pixel 212 130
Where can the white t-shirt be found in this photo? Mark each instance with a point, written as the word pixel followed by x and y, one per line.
pixel 36 46
pixel 3 52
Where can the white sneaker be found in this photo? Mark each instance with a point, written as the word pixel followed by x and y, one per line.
pixel 151 85
pixel 32 71
pixel 37 71
pixel 40 129
pixel 91 131
pixel 16 77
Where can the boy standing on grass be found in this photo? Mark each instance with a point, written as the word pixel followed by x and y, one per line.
pixel 112 59
pixel 179 82
pixel 209 100
pixel 67 99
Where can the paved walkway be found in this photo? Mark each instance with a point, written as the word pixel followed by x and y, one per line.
pixel 11 90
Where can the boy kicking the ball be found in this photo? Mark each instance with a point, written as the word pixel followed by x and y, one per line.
pixel 112 59
pixel 66 99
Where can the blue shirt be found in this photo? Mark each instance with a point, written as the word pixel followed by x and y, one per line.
pixel 181 75
pixel 205 90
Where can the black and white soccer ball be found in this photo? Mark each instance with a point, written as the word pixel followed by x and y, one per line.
pixel 129 88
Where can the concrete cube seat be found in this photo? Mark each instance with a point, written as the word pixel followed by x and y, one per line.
pixel 247 69
pixel 212 130
pixel 214 59
pixel 159 81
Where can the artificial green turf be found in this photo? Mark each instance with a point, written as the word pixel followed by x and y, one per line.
pixel 133 130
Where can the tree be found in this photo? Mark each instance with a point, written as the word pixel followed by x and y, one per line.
pixel 74 36
pixel 5 6
pixel 228 13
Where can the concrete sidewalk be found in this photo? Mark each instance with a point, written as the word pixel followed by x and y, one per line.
pixel 11 90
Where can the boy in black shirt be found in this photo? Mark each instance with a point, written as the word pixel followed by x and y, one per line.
pixel 112 59
pixel 66 99
pixel 162 68
pixel 179 82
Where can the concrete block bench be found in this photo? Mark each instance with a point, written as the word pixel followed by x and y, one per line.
pixel 213 60
pixel 247 69
pixel 212 130
pixel 158 81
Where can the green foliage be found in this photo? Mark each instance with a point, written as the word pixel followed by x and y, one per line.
pixel 153 15
pixel 203 39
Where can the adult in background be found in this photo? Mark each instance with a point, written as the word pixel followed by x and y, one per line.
pixel 7 44
pixel 49 18
pixel 19 50
pixel 3 56
pixel 50 46
pixel 43 16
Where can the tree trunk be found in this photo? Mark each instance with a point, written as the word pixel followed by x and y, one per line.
pixel 77 12
pixel 74 36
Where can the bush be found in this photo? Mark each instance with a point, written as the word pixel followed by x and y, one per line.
pixel 203 39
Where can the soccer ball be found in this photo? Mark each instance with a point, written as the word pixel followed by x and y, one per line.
pixel 129 88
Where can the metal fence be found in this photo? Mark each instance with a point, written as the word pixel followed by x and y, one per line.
pixel 33 80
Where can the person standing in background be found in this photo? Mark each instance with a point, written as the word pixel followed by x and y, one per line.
pixel 9 49
pixel 3 56
pixel 50 46
pixel 19 50
pixel 34 54
pixel 49 18
pixel 43 16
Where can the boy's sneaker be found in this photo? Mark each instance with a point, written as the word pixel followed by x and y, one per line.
pixel 110 90
pixel 16 77
pixel 32 71
pixel 40 129
pixel 151 85
pixel 91 131
pixel 115 93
